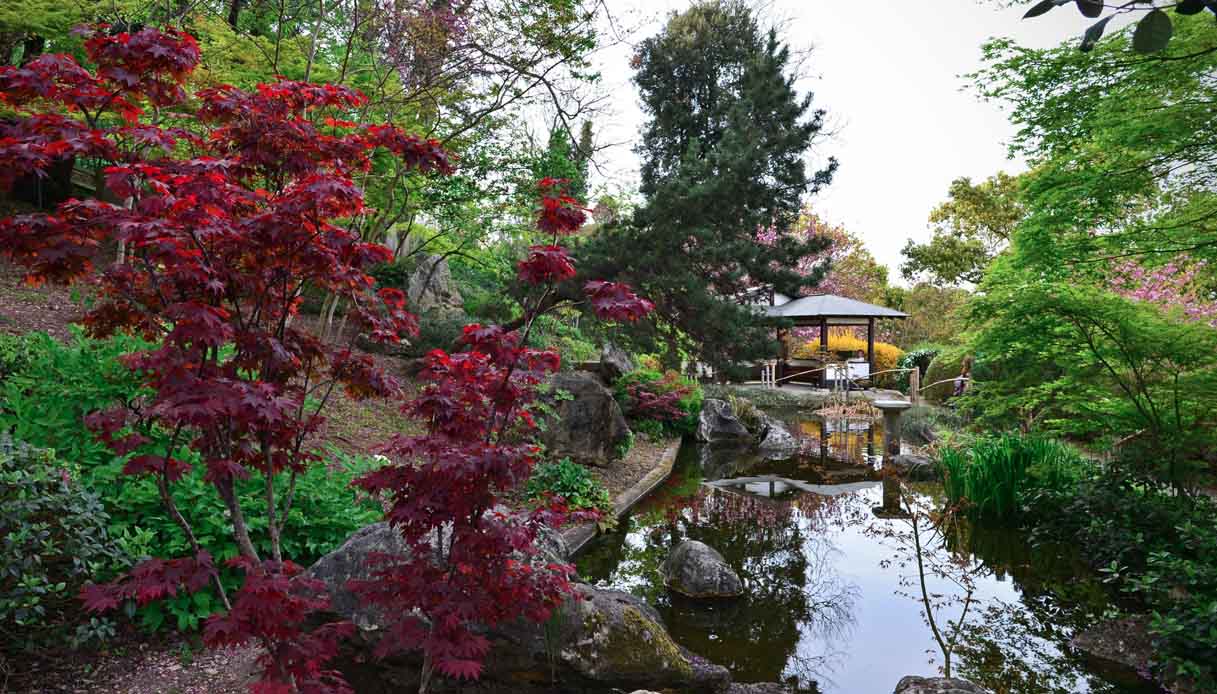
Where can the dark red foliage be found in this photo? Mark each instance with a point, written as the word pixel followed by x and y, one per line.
pixel 560 214
pixel 657 400
pixel 616 301
pixel 272 609
pixel 153 579
pixel 229 212
pixel 546 264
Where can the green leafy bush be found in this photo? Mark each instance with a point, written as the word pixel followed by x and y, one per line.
pixel 660 384
pixel 53 539
pixel 920 356
pixel 396 273
pixel 15 351
pixel 45 405
pixel 992 475
pixel 436 330
pixel 570 481
pixel 1157 547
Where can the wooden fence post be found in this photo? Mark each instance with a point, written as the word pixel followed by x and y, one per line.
pixel 915 386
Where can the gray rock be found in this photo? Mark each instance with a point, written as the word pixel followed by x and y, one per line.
pixel 758 688
pixel 776 438
pixel 352 561
pixel 936 685
pixel 431 287
pixel 697 570
pixel 717 422
pixel 601 637
pixel 588 426
pixel 913 467
pixel 614 363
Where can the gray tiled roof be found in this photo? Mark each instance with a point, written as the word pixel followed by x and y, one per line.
pixel 830 305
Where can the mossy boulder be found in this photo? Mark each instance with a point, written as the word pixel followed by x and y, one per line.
pixel 944 366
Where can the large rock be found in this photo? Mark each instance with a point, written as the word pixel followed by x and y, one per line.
pixel 614 363
pixel 587 425
pixel 600 638
pixel 696 570
pixel 717 422
pixel 775 438
pixel 912 467
pixel 431 287
pixel 936 685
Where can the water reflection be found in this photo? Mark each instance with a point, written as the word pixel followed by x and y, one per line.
pixel 822 608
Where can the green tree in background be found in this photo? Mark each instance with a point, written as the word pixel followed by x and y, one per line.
pixel 969 229
pixel 722 161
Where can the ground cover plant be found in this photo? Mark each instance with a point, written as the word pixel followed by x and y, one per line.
pixel 571 482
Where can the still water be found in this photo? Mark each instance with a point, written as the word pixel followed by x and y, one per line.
pixel 832 603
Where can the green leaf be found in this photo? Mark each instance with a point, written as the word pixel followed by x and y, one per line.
pixel 1153 32
pixel 1090 8
pixel 1094 33
pixel 1042 7
pixel 1189 7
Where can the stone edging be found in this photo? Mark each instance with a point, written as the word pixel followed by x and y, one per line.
pixel 578 536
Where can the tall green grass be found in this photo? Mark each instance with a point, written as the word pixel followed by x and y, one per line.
pixel 991 475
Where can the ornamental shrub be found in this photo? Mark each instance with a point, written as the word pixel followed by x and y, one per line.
pixel 53 539
pixel 570 482
pixel 920 357
pixel 668 398
pixel 843 341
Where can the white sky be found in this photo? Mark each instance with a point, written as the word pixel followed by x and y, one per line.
pixel 888 72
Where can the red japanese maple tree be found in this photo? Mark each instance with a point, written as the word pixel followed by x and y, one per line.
pixel 231 205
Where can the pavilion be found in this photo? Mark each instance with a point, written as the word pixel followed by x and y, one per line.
pixel 824 311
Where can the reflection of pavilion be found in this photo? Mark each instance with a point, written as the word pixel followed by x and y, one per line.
pixel 775 487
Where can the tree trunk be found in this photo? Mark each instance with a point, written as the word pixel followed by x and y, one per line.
pixel 234 13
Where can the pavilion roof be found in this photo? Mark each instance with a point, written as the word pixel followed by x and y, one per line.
pixel 829 306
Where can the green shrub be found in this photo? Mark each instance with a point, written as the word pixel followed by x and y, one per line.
pixel 920 357
pixel 1158 548
pixel 436 330
pixel 572 482
pixel 394 274
pixel 15 352
pixel 662 383
pixel 992 476
pixel 53 540
pixel 945 365
pixel 649 428
pixel 45 405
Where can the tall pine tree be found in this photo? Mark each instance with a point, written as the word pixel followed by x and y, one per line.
pixel 722 159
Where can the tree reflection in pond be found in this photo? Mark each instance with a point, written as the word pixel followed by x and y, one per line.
pixel 822 609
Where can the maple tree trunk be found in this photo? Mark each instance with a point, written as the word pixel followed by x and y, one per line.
pixel 240 530
pixel 424 677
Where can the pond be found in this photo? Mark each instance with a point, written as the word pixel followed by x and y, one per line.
pixel 831 603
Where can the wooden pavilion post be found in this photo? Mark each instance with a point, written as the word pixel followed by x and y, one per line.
pixel 780 369
pixel 870 346
pixel 824 351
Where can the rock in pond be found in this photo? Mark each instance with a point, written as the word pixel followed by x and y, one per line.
pixel 913 467
pixel 936 685
pixel 614 363
pixel 599 639
pixel 587 425
pixel 718 422
pixel 696 570
pixel 776 439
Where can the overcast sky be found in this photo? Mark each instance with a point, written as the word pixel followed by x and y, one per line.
pixel 888 72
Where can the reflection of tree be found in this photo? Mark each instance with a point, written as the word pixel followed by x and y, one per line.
pixel 790 580
pixel 1021 648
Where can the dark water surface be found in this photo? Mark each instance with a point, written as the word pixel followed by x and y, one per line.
pixel 829 603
